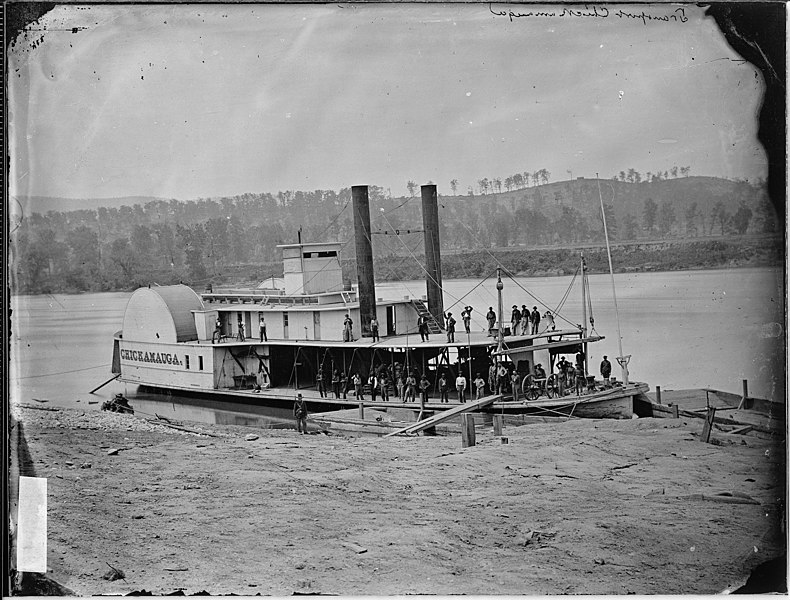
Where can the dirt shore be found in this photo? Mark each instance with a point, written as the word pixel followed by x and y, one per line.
pixel 580 507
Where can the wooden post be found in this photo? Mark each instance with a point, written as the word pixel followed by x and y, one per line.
pixel 658 394
pixel 742 403
pixel 498 422
pixel 361 410
pixel 706 429
pixel 675 413
pixel 467 431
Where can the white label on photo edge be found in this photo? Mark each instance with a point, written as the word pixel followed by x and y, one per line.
pixel 31 546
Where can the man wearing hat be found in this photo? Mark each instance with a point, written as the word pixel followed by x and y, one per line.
pixel 515 320
pixel 450 328
pixel 300 414
pixel 606 370
pixel 491 318
pixel 535 320
pixel 466 316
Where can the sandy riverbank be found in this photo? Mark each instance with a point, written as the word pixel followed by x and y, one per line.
pixel 592 507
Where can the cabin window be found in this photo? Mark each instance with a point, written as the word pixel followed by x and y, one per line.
pixel 200 363
pixel 186 360
pixel 285 325
pixel 323 254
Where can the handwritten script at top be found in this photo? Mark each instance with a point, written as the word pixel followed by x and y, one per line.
pixel 678 15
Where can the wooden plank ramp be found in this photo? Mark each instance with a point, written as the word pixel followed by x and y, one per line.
pixel 447 414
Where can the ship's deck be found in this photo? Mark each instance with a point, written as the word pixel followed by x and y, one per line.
pixel 412 340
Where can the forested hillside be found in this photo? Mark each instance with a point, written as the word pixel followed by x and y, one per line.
pixel 234 239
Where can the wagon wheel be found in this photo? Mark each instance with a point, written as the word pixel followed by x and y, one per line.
pixel 552 386
pixel 530 388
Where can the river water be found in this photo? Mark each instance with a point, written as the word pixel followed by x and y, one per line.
pixel 683 329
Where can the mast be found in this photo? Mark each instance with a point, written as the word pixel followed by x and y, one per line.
pixel 622 360
pixel 584 314
pixel 499 286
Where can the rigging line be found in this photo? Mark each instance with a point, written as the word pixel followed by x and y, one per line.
pixel 427 274
pixel 61 372
pixel 472 233
pixel 300 288
pixel 496 261
pixel 337 216
pixel 538 300
pixel 399 205
pixel 567 294
pixel 475 319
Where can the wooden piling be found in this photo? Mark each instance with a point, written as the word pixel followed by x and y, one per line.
pixel 675 413
pixel 742 403
pixel 467 430
pixel 361 410
pixel 706 429
pixel 658 394
pixel 498 422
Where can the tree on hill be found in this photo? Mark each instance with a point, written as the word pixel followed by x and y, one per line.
pixel 454 186
pixel 666 218
pixel 685 171
pixel 629 227
pixel 692 214
pixel 611 221
pixel 719 215
pixel 674 172
pixel 649 214
pixel 85 256
pixel 741 219
pixel 411 186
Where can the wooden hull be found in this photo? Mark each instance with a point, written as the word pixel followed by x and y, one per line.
pixel 616 403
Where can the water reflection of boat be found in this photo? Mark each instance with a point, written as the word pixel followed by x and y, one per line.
pixel 176 340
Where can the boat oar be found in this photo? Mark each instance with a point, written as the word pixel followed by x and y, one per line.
pixel 113 378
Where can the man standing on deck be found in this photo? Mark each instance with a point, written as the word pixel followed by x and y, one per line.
pixel 424 387
pixel 358 391
pixel 422 325
pixel 491 318
pixel 384 384
pixel 501 379
pixel 374 329
pixel 460 385
pixel 515 383
pixel 450 328
pixel 348 332
pixel 300 414
pixel 336 383
pixel 606 370
pixel 443 385
pixel 217 331
pixel 466 316
pixel 262 328
pixel 480 386
pixel 320 381
pixel 535 320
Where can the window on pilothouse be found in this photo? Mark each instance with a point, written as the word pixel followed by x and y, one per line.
pixel 200 363
pixel 186 360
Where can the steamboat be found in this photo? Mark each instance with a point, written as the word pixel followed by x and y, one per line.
pixel 312 334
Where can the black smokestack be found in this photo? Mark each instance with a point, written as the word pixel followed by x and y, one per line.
pixel 433 255
pixel 364 248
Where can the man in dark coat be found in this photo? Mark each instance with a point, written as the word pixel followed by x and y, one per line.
pixel 300 414
pixel 606 370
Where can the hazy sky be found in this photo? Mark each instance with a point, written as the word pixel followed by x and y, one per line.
pixel 190 101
